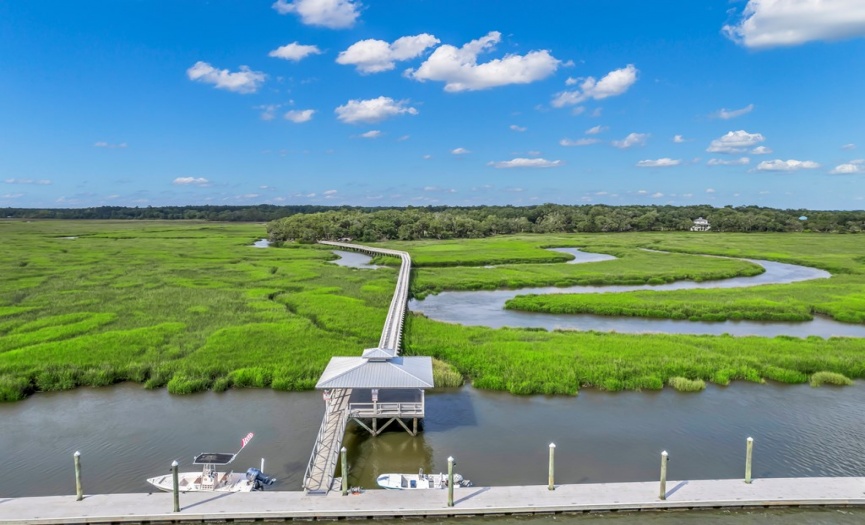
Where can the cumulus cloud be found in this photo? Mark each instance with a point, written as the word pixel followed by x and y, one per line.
pixel 848 146
pixel 849 168
pixel 729 162
pixel 678 139
pixel 710 190
pixel 244 81
pixel 613 84
pixel 371 134
pixel 375 56
pixel 459 68
pixel 460 151
pixel 514 127
pixel 761 150
pixel 727 114
pixel 578 142
pixel 268 111
pixel 633 139
pixel 735 142
pixel 191 181
pixel 299 116
pixel 786 165
pixel 526 163
pixel 294 52
pixel 330 192
pixel 665 162
pixel 373 110
pixel 597 129
pixel 770 23
pixel 334 14
pixel 38 182
pixel 103 144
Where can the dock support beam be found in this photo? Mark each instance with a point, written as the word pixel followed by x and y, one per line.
pixel 450 481
pixel 749 449
pixel 552 485
pixel 79 489
pixel 344 471
pixel 176 484
pixel 664 458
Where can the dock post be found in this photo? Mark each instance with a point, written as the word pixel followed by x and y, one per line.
pixel 79 490
pixel 552 485
pixel 344 471
pixel 664 457
pixel 450 481
pixel 176 484
pixel 749 450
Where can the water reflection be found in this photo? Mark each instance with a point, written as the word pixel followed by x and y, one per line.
pixel 354 260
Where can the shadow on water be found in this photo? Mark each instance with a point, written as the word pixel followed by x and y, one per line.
pixel 452 409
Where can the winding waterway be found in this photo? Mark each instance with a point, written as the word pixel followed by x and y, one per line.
pixel 126 434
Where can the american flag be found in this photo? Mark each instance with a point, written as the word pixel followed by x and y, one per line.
pixel 245 440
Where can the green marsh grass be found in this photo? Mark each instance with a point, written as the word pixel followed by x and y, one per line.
pixel 683 384
pixel 829 378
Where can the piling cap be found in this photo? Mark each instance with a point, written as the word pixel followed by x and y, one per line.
pixel 664 453
pixel 750 438
pixel 342 449
pixel 552 445
pixel 174 463
pixel 76 454
pixel 450 458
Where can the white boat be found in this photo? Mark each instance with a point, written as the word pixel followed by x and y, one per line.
pixel 211 479
pixel 419 481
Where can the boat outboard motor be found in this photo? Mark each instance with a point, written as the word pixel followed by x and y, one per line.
pixel 258 479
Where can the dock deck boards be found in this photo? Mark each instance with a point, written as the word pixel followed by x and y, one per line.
pixel 472 501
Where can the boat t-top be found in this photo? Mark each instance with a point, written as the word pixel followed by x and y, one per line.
pixel 212 479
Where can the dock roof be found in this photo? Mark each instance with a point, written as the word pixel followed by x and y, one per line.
pixel 357 372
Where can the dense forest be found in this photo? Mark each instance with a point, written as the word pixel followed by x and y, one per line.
pixel 308 223
pixel 454 223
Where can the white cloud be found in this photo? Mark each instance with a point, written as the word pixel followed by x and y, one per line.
pixel 371 134
pixel 613 84
pixel 735 142
pixel 334 14
pixel 372 110
pixel 330 192
pixel 403 138
pixel 514 127
pixel 710 190
pixel 191 181
pixel 103 144
pixel 294 52
pixel 849 168
pixel 11 195
pixel 38 182
pixel 597 129
pixel 769 23
pixel 375 56
pixel 268 111
pixel 459 68
pixel 526 163
pixel 761 150
pixel 633 139
pixel 299 116
pixel 578 142
pixel 570 81
pixel 657 195
pixel 786 165
pixel 243 81
pixel 665 162
pixel 848 146
pixel 731 162
pixel 427 157
pixel 460 151
pixel 727 114
pixel 678 139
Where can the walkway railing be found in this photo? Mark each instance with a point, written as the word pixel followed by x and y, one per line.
pixel 325 453
pixel 367 410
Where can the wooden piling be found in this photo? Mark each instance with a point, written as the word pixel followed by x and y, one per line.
pixel 176 485
pixel 450 481
pixel 79 489
pixel 344 471
pixel 552 485
pixel 749 449
pixel 664 458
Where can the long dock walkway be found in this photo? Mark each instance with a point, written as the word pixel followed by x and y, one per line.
pixel 472 501
pixel 319 476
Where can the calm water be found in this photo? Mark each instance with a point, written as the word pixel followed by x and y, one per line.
pixel 127 434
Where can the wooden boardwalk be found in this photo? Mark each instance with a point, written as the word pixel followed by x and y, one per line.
pixel 325 453
pixel 319 476
pixel 472 501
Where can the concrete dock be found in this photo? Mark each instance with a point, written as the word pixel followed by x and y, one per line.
pixel 472 501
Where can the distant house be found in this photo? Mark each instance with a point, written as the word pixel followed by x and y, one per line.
pixel 700 225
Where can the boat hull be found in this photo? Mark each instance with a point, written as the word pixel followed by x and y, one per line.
pixel 418 481
pixel 192 482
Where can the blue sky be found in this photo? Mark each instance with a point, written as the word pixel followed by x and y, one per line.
pixel 419 102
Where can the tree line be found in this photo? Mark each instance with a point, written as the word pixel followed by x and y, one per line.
pixel 484 221
pixel 309 223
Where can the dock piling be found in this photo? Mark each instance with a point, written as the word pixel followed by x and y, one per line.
pixel 342 452
pixel 664 458
pixel 749 449
pixel 79 489
pixel 176 485
pixel 552 485
pixel 450 481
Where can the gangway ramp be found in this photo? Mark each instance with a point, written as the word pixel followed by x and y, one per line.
pixel 325 454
